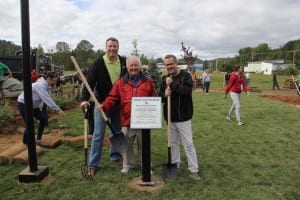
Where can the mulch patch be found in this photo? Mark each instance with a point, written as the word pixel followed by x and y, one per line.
pixel 294 100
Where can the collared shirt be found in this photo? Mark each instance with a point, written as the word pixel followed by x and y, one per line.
pixel 134 80
pixel 40 95
pixel 206 77
pixel 113 68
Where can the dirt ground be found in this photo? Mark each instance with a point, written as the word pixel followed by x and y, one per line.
pixel 11 135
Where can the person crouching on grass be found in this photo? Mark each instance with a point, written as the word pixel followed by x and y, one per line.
pixel 133 84
pixel 236 85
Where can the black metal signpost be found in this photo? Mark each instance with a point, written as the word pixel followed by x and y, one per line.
pixel 33 173
pixel 146 157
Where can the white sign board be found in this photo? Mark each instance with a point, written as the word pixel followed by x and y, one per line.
pixel 145 113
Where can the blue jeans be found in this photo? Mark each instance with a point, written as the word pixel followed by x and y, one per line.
pixel 99 133
pixel 37 113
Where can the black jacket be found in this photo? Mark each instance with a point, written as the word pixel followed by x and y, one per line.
pixel 98 79
pixel 181 97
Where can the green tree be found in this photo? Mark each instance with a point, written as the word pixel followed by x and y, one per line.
pixel 135 51
pixel 154 73
pixel 205 64
pixel 245 55
pixel 8 48
pixel 84 53
pixel 159 60
pixel 144 59
pixel 62 47
pixel 40 49
pixel 100 53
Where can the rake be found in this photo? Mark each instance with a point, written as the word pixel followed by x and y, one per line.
pixel 85 169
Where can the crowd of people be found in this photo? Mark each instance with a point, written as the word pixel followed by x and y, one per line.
pixel 115 80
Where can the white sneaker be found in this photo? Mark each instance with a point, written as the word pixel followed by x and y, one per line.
pixel 228 118
pixel 195 176
pixel 125 170
pixel 241 123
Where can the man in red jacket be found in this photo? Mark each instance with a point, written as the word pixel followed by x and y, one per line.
pixel 236 85
pixel 133 84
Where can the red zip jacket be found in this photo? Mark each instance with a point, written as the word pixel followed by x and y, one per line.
pixel 123 90
pixel 235 84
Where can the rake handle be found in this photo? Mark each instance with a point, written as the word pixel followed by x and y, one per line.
pixel 88 87
pixel 85 133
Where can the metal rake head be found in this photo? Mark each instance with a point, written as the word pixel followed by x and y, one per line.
pixel 87 173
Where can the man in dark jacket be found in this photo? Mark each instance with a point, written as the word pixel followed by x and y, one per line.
pixel 179 85
pixel 101 76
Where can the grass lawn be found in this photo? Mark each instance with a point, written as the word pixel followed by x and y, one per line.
pixel 260 160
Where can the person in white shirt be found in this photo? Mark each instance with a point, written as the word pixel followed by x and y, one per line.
pixel 247 76
pixel 206 78
pixel 40 95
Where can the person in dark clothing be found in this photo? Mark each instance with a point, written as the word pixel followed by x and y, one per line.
pixel 275 81
pixel 101 76
pixel 178 85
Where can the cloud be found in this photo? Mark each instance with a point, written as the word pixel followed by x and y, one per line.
pixel 211 28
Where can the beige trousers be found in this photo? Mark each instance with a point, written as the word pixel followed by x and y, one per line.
pixel 128 156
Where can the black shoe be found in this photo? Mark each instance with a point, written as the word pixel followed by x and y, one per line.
pixel 117 160
pixel 116 157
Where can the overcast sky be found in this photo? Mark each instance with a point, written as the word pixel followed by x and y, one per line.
pixel 212 28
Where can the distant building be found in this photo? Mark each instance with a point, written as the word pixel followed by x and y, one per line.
pixel 198 67
pixel 265 67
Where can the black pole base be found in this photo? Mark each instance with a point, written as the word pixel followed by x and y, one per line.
pixel 139 184
pixel 27 177
pixel 152 183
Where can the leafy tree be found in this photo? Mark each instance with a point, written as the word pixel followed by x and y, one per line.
pixel 8 48
pixel 289 45
pixel 245 55
pixel 188 57
pixel 40 49
pixel 135 51
pixel 62 47
pixel 154 73
pixel 159 60
pixel 84 46
pixel 62 55
pixel 100 53
pixel 84 51
pixel 205 64
pixel 63 59
pixel 144 59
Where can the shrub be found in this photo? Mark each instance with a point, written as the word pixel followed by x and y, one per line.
pixel 5 114
pixel 290 70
